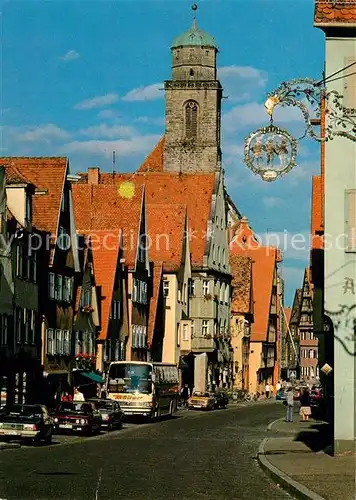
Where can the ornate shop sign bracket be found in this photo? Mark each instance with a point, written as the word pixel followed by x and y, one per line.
pixel 271 151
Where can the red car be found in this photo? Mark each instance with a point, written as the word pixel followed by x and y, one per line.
pixel 77 417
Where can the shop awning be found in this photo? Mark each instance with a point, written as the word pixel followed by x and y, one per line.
pixel 92 376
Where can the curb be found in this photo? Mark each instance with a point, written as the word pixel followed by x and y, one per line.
pixel 298 490
pixel 269 427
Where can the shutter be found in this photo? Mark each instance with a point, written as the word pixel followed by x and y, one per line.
pixel 349 99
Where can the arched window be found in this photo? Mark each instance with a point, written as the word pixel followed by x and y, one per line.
pixel 191 120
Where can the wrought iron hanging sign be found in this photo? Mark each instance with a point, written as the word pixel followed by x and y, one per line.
pixel 270 152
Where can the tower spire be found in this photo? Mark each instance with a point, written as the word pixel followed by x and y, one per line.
pixel 194 9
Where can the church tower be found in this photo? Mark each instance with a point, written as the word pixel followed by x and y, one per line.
pixel 193 104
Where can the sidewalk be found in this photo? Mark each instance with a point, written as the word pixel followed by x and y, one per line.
pixel 296 457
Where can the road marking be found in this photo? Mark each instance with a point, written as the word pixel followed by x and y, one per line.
pixel 98 484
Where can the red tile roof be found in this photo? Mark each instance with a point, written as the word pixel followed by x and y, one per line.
pixel 105 207
pixel 329 12
pixel 241 270
pixel 264 260
pixel 154 161
pixel 165 227
pixel 46 174
pixel 194 190
pixel 156 287
pixel 105 258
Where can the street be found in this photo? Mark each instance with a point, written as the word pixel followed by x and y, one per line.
pixel 195 455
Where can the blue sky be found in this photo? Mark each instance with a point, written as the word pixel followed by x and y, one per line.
pixel 84 79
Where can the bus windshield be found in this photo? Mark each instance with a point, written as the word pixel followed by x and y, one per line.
pixel 129 378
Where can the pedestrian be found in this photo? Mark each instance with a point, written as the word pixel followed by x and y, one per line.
pixel 271 390
pixel 305 409
pixel 67 397
pixel 267 389
pixel 185 395
pixel 278 387
pixel 290 405
pixel 78 396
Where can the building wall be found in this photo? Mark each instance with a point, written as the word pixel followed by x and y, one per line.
pixel 340 268
pixel 237 335
pixel 173 314
pixel 255 364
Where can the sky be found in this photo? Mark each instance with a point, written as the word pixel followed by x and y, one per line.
pixel 84 78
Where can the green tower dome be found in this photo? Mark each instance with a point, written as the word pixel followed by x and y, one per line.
pixel 194 36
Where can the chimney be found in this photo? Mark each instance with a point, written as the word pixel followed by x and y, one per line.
pixel 93 175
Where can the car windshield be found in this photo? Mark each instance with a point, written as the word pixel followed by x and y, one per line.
pixel 103 405
pixel 23 411
pixel 129 378
pixel 73 407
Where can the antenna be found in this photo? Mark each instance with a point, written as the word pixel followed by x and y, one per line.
pixel 113 161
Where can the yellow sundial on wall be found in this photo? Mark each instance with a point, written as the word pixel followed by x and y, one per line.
pixel 127 189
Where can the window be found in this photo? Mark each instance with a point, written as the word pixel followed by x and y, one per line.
pixel 205 327
pixel 166 289
pixel 63 240
pixel 185 333
pixel 27 324
pixel 179 295
pixel 191 72
pixel 223 257
pixel 192 329
pixel 67 292
pixel 222 292
pixel 349 92
pixel 214 253
pixel 32 266
pixel 311 353
pixel 205 287
pixel 191 287
pixel 59 342
pixel 351 220
pixel 185 293
pixel 135 290
pixel 19 324
pixel 115 312
pixel 50 342
pixel 191 120
pixel 227 294
pixel 3 329
pixel 51 285
pixel 66 342
pixel 59 287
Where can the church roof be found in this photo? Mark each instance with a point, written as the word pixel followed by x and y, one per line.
pixel 193 37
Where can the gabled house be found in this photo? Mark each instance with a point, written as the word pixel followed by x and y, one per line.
pixel 242 308
pixel 85 320
pixel 19 321
pixel 293 340
pixel 263 364
pixel 309 370
pixel 105 208
pixel 169 250
pixel 52 216
pixel 209 293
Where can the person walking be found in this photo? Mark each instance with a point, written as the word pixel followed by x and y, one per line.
pixel 78 396
pixel 267 390
pixel 290 405
pixel 305 409
pixel 271 390
pixel 278 387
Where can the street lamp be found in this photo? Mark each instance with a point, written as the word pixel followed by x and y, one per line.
pixel 271 151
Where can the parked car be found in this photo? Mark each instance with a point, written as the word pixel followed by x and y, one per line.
pixel 221 400
pixel 281 395
pixel 77 417
pixel 201 401
pixel 26 422
pixel 110 411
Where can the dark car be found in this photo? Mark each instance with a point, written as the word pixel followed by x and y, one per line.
pixel 77 417
pixel 110 411
pixel 26 422
pixel 221 400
